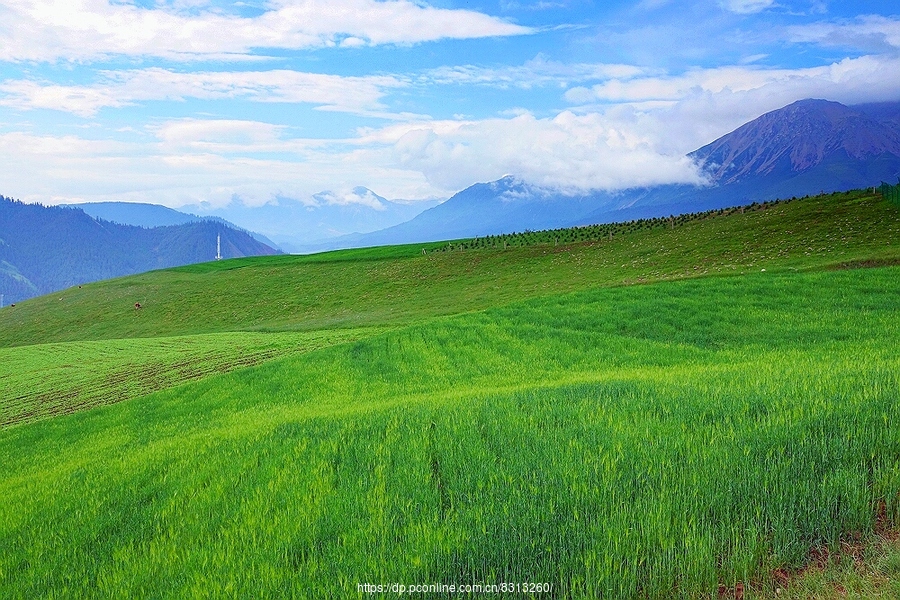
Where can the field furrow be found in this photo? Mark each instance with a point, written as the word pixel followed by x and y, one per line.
pixel 47 380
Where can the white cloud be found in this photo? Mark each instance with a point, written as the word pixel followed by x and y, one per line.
pixel 851 79
pixel 749 60
pixel 359 95
pixel 80 100
pixel 746 7
pixel 357 196
pixel 223 136
pixel 569 152
pixel 50 30
pixel 686 111
pixel 870 32
pixel 536 72
pixel 121 88
pixel 194 162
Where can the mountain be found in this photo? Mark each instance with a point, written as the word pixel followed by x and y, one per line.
pixel 136 213
pixel 502 206
pixel 43 249
pixel 306 226
pixel 141 214
pixel 808 147
pixel 807 144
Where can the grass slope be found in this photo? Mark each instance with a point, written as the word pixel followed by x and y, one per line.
pixel 337 294
pixel 46 380
pixel 398 285
pixel 648 441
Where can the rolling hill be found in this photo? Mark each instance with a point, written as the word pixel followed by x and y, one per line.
pixel 674 407
pixel 364 287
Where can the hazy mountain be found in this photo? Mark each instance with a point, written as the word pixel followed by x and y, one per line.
pixel 135 213
pixel 808 147
pixel 43 249
pixel 301 226
pixel 502 206
pixel 153 215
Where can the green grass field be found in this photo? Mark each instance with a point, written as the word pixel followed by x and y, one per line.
pixel 297 426
pixel 46 380
pixel 396 286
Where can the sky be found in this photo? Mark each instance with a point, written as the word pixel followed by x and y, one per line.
pixel 211 102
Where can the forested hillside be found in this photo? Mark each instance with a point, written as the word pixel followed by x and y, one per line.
pixel 43 248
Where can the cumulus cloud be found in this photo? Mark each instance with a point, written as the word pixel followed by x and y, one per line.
pixel 115 89
pixel 189 161
pixel 82 30
pixel 568 152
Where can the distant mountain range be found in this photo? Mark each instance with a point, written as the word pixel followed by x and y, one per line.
pixel 808 147
pixel 306 226
pixel 43 249
pixel 805 148
pixel 153 215
pixel 135 213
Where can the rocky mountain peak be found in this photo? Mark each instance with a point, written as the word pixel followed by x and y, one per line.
pixel 800 136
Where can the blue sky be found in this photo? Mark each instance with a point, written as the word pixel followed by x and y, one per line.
pixel 183 102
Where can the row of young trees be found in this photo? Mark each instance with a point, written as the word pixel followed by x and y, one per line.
pixel 599 232
pixel 890 192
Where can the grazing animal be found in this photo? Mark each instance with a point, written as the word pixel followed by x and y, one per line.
pixel 137 306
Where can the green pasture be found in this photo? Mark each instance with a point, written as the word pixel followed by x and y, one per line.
pixel 46 380
pixel 644 441
pixel 660 413
pixel 395 286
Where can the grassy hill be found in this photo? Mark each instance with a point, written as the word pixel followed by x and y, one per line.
pixel 485 415
pixel 398 285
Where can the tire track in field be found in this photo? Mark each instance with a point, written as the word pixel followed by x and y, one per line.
pixel 46 381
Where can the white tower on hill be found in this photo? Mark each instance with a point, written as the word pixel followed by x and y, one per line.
pixel 218 247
